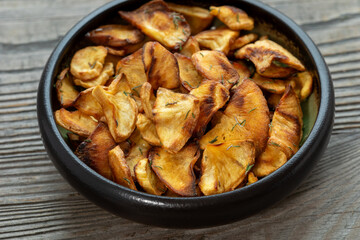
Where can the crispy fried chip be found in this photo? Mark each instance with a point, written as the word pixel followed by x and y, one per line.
pixel 176 170
pixel 157 21
pixel 189 77
pixel 65 89
pixel 197 17
pixel 225 166
pixel 276 86
pixel 161 66
pixel 147 129
pixel 115 35
pixel 273 100
pixel 242 70
pixel 119 168
pixel 285 135
pixel 86 103
pixel 251 178
pixel 175 117
pixel 116 51
pixel 133 67
pixel 147 178
pixel 248 103
pixel 243 40
pixel 227 129
pixel 147 99
pixel 212 97
pixel 87 63
pixel 105 75
pixel 235 18
pixel 303 84
pixel 191 46
pixel 214 65
pixel 270 59
pixel 120 111
pixel 94 150
pixel 217 39
pixel 76 122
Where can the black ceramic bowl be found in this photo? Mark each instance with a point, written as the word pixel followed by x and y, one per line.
pixel 196 211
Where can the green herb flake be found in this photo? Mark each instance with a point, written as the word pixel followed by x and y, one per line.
pixel 280 64
pixel 150 163
pixel 214 140
pixel 157 154
pixel 191 85
pixel 92 65
pixel 252 110
pixel 201 54
pixel 291 149
pixel 128 141
pixel 232 146
pixel 171 103
pixel 237 18
pixel 88 140
pixel 274 144
pixel 248 168
pixel 193 115
pixel 117 124
pixel 210 67
pixel 140 151
pixel 127 93
pixel 128 181
pixel 187 115
pixel 181 39
pixel 158 167
pixel 184 32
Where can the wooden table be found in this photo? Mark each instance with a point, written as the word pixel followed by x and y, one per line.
pixel 36 202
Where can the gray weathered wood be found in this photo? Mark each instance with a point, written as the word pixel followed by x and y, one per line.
pixel 35 201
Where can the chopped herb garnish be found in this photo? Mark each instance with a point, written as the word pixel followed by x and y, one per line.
pixel 214 140
pixel 187 115
pixel 290 148
pixel 252 110
pixel 150 163
pixel 162 189
pixel 237 123
pixel 201 54
pixel 172 103
pixel 88 140
pixel 232 146
pixel 193 115
pixel 127 93
pixel 180 47
pixel 128 181
pixel 271 90
pixel 219 184
pixel 248 168
pixel 140 151
pixel 158 167
pixel 280 64
pixel 210 67
pixel 117 124
pixel 275 144
pixel 157 154
pixel 191 85
pixel 92 65
pixel 237 18
pixel 134 89
pixel 176 18
pixel 128 141
pixel 181 39
pixel 222 78
pixel 183 30
pixel 270 126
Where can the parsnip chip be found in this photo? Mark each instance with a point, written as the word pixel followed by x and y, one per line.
pixel 66 92
pixel 87 63
pixel 189 77
pixel 175 117
pixel 248 103
pixel 139 149
pixel 251 178
pixel 147 99
pixel 161 66
pixel 94 150
pixel 273 100
pixel 115 35
pixel 197 17
pixel 243 40
pixel 147 178
pixel 242 70
pixel 116 52
pixel 271 85
pixel 119 168
pixel 212 97
pixel 217 39
pixel 133 67
pixel 270 59
pixel 147 130
pixel 86 103
pixel 227 129
pixel 225 166
pixel 120 111
pixel 235 18
pixel 105 75
pixel 76 122
pixel 215 66
pixel 114 59
pixel 190 47
pixel 303 84
pixel 176 170
pixel 285 135
pixel 157 21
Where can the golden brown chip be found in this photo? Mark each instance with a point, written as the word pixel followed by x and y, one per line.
pixel 271 85
pixel 120 111
pixel 191 46
pixel 249 104
pixel 273 100
pixel 303 84
pixel 243 40
pixel 147 129
pixel 116 51
pixel 147 99
pixel 285 135
pixel 242 70
pixel 197 17
pixel 161 66
pixel 217 39
pixel 114 59
pixel 270 59
pixel 212 97
pixel 105 75
pixel 175 117
pixel 215 66
pixel 119 168
pixel 189 77
pixel 94 150
pixel 176 170
pixel 65 89
pixel 86 103
pixel 147 178
pixel 251 178
pixel 235 18
pixel 115 35
pixel 157 21
pixel 76 122
pixel 87 63
pixel 225 166
pixel 133 67
pixel 227 129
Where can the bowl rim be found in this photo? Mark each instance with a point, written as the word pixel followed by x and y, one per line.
pixel 83 172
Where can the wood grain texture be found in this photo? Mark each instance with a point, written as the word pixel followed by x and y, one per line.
pixel 36 203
